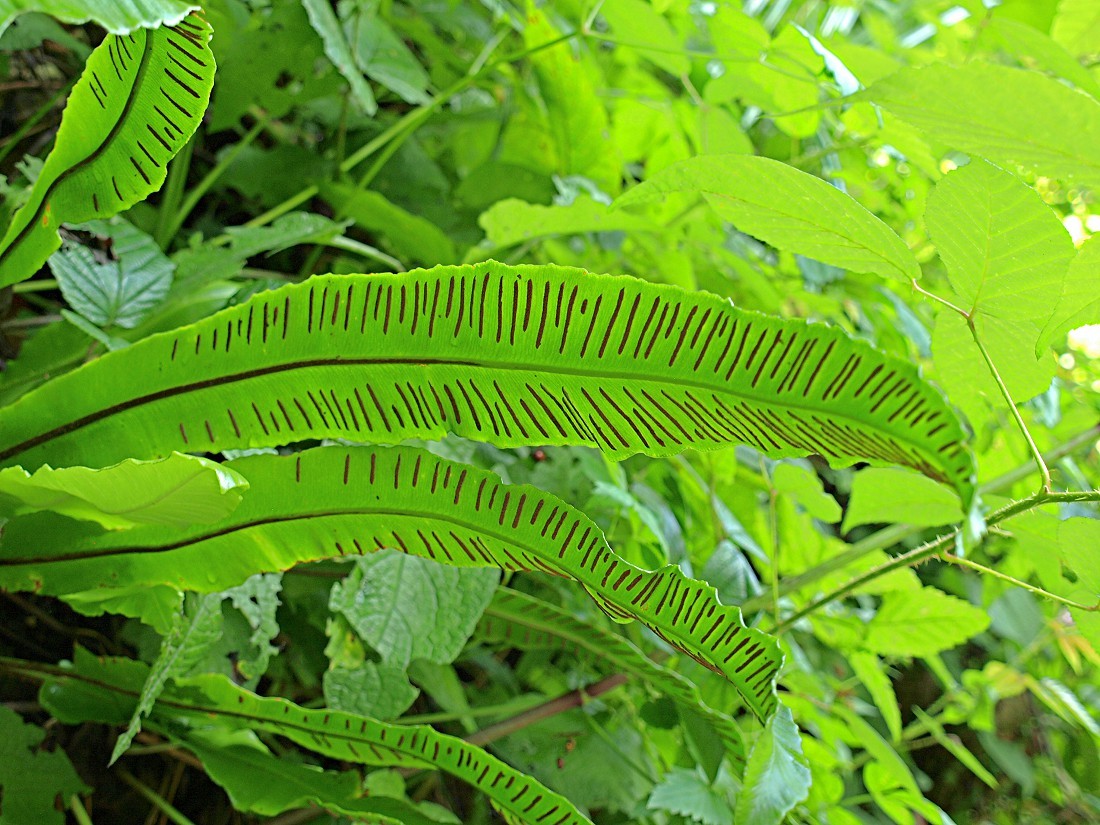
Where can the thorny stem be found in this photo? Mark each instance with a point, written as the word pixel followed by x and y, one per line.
pixel 889 536
pixel 1035 454
pixel 1046 594
pixel 930 549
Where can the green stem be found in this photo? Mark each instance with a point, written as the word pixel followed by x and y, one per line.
pixel 366 250
pixel 39 113
pixel 42 285
pixel 1037 456
pixel 195 195
pixel 173 191
pixel 1038 591
pixel 932 548
pixel 79 812
pixel 416 116
pixel 895 533
pixel 159 801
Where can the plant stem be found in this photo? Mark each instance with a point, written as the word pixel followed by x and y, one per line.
pixel 173 191
pixel 41 285
pixel 1038 591
pixel 159 801
pixel 930 549
pixel 1035 454
pixel 889 536
pixel 567 701
pixel 39 113
pixel 196 194
pixel 79 812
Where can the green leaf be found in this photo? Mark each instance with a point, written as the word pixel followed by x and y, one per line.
pixel 411 237
pixel 777 777
pixel 1076 25
pixel 177 491
pixel 338 501
pixel 638 25
pixel 922 622
pixel 804 486
pixel 412 608
pixel 33 779
pixel 325 23
pixel 1078 540
pixel 787 208
pixel 122 290
pixel 501 354
pixel 990 111
pixel 286 231
pixel 1079 304
pixel 198 625
pixel 884 495
pixel 870 671
pixel 1029 45
pixel 576 118
pixel 954 746
pixel 156 606
pixel 364 741
pixel 139 100
pixel 686 793
pixel 512 221
pixel 116 16
pixel 259 782
pixel 381 54
pixel 381 691
pixel 1006 252
pixel 522 621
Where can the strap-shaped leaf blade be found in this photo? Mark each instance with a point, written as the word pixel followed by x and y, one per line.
pixel 510 355
pixel 95 685
pixel 139 100
pixel 333 502
pixel 517 619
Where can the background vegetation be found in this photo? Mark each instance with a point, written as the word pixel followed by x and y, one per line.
pixel 935 651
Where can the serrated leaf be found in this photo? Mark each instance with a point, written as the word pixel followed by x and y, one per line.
pixel 686 793
pixel 374 689
pixel 412 608
pixel 178 491
pixel 139 100
pixel 922 622
pixel 32 779
pixel 989 110
pixel 787 208
pixel 1006 252
pixel 1079 303
pixel 884 495
pixel 116 16
pixel 777 776
pixel 197 625
pixel 121 290
pixel 805 487
pixel 871 672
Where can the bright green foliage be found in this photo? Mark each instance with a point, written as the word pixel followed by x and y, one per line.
pixel 710 615
pixel 788 209
pixel 117 16
pixel 922 622
pixel 990 111
pixel 121 291
pixel 883 495
pixel 777 777
pixel 134 107
pixel 35 783
pixel 176 491
pixel 503 354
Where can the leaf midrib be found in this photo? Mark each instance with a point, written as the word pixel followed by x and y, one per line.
pixel 196 386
